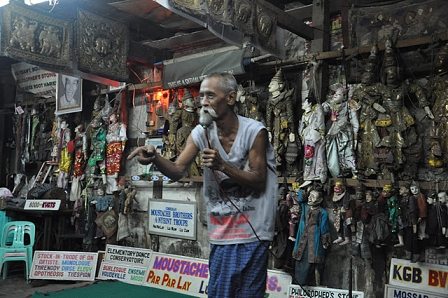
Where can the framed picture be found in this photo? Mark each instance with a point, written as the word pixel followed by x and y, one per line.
pixel 68 94
pixel 172 218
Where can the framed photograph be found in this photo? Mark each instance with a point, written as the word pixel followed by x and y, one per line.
pixel 172 218
pixel 68 94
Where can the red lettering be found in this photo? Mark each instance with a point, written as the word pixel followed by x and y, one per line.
pixel 433 279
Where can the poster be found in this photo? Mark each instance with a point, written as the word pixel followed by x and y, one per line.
pixel 64 265
pixel 68 94
pixel 172 218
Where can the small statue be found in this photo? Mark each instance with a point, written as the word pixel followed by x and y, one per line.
pixel 342 135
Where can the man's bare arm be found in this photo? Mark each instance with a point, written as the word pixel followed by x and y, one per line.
pixel 174 170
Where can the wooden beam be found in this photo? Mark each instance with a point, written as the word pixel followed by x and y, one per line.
pixel 289 22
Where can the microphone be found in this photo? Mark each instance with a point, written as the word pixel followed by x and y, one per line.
pixel 205 119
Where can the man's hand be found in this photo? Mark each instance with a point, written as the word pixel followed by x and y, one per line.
pixel 212 159
pixel 145 154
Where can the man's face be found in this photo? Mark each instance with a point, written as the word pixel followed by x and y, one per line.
pixel 369 197
pixel 442 197
pixel 403 190
pixel 306 106
pixel 71 85
pixel 213 98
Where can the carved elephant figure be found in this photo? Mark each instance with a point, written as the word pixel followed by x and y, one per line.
pixel 49 42
pixel 23 34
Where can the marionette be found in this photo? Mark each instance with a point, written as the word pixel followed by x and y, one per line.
pixel 188 121
pixel 375 218
pixel 438 132
pixel 422 206
pixel 312 240
pixel 65 154
pixel 80 150
pixel 342 134
pixel 311 132
pixel 394 122
pixel 368 135
pixel 116 140
pixel 281 125
pixel 341 198
pixel 389 196
pixel 436 224
pixel 407 223
pixel 96 162
pixel 360 246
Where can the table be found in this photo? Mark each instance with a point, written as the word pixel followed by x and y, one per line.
pixel 18 213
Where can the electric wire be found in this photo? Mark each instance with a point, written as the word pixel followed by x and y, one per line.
pixel 247 220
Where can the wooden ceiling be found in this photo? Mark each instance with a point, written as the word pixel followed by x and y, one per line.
pixel 157 33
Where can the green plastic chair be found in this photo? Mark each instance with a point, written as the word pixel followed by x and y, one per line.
pixel 21 246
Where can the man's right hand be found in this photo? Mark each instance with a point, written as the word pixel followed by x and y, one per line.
pixel 145 154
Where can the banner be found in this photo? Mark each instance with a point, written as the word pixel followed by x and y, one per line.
pixel 431 277
pixel 64 265
pixel 184 72
pixel 33 79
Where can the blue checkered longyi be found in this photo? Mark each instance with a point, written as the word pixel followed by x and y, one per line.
pixel 238 270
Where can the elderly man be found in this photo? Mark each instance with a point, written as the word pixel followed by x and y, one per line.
pixel 240 188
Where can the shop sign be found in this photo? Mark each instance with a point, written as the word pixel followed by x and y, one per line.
pixel 126 264
pixel 296 291
pixel 42 204
pixel 436 256
pixel 33 79
pixel 172 218
pixel 392 291
pixel 64 265
pixel 431 277
pixel 189 276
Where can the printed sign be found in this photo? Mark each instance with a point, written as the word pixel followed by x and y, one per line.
pixel 432 277
pixel 400 292
pixel 436 256
pixel 296 291
pixel 64 265
pixel 172 218
pixel 33 79
pixel 190 276
pixel 126 264
pixel 124 273
pixel 178 274
pixel 42 204
pixel 138 257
